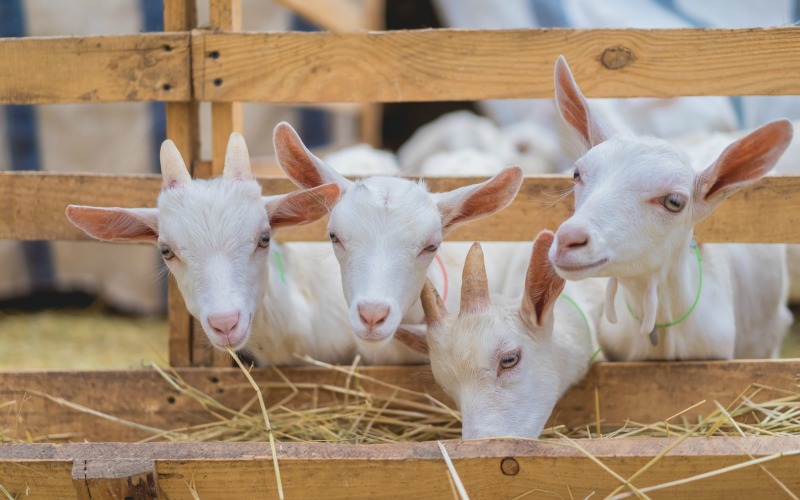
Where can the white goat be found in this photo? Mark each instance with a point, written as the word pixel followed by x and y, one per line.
pixel 215 237
pixel 506 364
pixel 636 203
pixel 363 160
pixel 386 232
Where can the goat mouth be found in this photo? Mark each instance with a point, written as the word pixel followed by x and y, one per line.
pixel 573 268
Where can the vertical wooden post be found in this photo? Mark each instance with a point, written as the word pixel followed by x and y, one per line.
pixel 371 122
pixel 183 128
pixel 224 15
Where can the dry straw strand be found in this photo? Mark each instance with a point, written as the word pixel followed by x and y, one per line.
pixel 453 473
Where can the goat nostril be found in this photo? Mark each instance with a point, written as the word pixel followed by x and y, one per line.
pixel 578 244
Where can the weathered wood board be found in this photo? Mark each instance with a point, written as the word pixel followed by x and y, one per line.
pixel 453 65
pixel 497 468
pixel 768 212
pixel 143 67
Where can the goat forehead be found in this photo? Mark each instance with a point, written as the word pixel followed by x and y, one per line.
pixel 638 164
pixel 474 342
pixel 212 213
pixel 387 206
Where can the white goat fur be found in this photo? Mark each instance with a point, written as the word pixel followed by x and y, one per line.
pixel 383 226
pixel 554 348
pixel 363 160
pixel 622 229
pixel 213 227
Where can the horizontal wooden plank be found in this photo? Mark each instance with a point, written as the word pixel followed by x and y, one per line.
pixel 144 397
pixel 450 65
pixel 34 204
pixel 143 67
pixel 488 468
pixel 36 478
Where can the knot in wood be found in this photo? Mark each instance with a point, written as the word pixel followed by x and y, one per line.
pixel 509 466
pixel 616 57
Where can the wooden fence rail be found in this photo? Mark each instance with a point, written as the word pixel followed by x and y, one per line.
pixel 768 212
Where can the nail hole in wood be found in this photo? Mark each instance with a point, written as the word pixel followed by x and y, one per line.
pixel 167 48
pixel 171 400
pixel 167 87
pixel 217 82
pixel 214 380
pixel 214 54
pixel 509 466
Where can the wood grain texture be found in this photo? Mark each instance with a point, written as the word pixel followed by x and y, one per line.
pixel 768 212
pixel 321 470
pixel 37 478
pixel 143 67
pixel 183 128
pixel 449 65
pixel 144 397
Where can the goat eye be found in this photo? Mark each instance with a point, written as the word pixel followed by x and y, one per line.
pixel 510 359
pixel 673 202
pixel 431 248
pixel 334 238
pixel 263 240
pixel 167 252
pixel 576 176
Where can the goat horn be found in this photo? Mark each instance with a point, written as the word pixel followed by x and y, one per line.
pixel 237 159
pixel 173 169
pixel 474 285
pixel 435 311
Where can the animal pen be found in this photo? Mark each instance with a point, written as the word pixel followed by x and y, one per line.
pixel 186 65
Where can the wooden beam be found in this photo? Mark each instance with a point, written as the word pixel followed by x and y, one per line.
pixel 143 67
pixel 144 397
pixel 183 128
pixel 418 470
pixel 451 65
pixel 768 212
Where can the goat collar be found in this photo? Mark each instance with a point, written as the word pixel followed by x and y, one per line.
pixel 444 276
pixel 279 260
pixel 586 321
pixel 653 334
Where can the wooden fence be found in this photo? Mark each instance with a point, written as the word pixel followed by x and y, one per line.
pixel 186 65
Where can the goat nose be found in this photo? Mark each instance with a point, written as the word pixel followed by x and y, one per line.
pixel 373 314
pixel 571 238
pixel 224 323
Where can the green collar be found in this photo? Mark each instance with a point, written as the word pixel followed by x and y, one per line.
pixel 279 260
pixel 696 299
pixel 586 321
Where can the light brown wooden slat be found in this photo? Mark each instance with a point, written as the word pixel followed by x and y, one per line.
pixel 768 212
pixel 542 469
pixel 449 65
pixel 643 392
pixel 497 468
pixel 183 128
pixel 143 67
pixel 37 478
pixel 331 15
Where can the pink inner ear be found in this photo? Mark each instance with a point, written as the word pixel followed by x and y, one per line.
pixel 112 224
pixel 542 284
pixel 573 106
pixel 489 197
pixel 294 159
pixel 749 158
pixel 302 207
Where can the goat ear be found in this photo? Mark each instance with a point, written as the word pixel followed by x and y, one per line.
pixel 741 164
pixel 478 200
pixel 542 288
pixel 301 207
pixel 173 168
pixel 302 167
pixel 116 224
pixel 413 339
pixel 573 107
pixel 237 159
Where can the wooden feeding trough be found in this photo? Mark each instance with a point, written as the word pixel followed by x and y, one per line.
pixel 187 65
